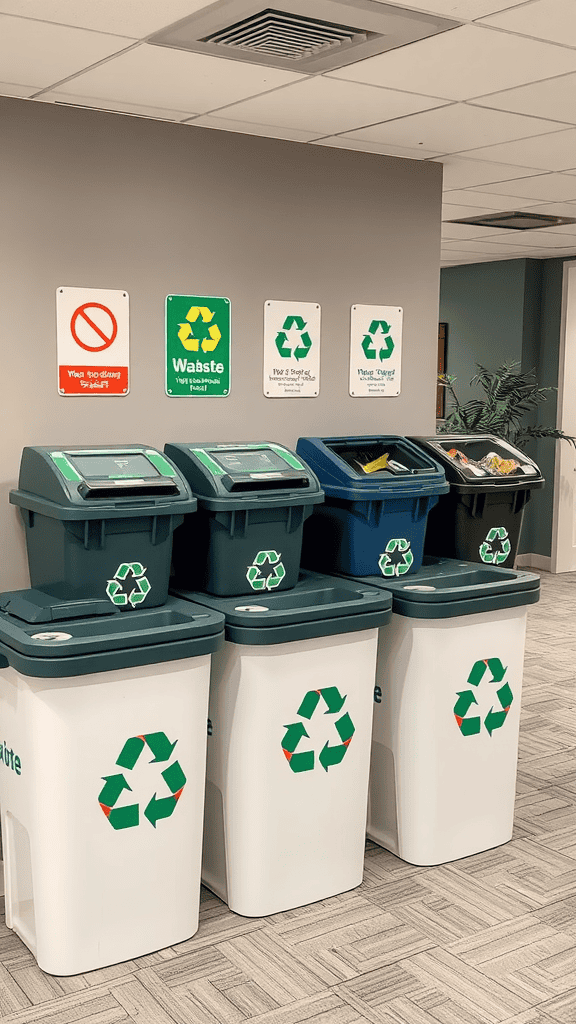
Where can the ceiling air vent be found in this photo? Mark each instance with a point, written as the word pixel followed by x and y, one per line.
pixel 310 36
pixel 515 221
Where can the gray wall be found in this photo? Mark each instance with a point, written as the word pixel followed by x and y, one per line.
pixel 107 201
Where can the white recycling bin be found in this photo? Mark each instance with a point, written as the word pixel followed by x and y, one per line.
pixel 291 701
pixel 102 781
pixel 447 711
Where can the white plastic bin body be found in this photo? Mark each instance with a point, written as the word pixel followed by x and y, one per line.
pixel 435 794
pixel 80 893
pixel 275 839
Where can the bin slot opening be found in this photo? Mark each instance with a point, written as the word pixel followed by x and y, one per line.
pixel 241 462
pixel 378 459
pixel 125 488
pixel 275 483
pixel 314 598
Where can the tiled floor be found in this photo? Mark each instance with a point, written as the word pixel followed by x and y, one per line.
pixel 487 939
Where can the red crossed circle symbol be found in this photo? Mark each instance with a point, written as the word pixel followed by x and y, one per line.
pixel 81 312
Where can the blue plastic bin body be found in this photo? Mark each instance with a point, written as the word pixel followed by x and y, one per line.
pixel 371 524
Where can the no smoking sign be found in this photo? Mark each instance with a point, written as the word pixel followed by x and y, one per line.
pixel 93 335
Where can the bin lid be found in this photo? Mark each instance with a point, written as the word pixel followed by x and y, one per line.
pixel 372 468
pixel 116 482
pixel 482 462
pixel 317 606
pixel 227 476
pixel 43 636
pixel 446 587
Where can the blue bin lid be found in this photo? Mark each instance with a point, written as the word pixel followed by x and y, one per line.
pixel 317 606
pixel 116 482
pixel 228 477
pixel 50 637
pixel 446 587
pixel 338 462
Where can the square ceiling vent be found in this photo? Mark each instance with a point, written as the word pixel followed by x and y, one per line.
pixel 515 221
pixel 310 36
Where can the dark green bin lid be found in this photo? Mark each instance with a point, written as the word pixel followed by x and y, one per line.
pixel 100 639
pixel 445 587
pixel 317 606
pixel 230 477
pixel 115 482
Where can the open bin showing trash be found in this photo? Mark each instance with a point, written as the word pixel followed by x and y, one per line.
pixel 246 537
pixel 379 491
pixel 491 483
pixel 99 521
pixel 291 702
pixel 103 722
pixel 447 710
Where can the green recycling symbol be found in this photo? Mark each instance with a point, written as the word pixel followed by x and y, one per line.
pixel 496 548
pixel 129 815
pixel 282 338
pixel 331 753
pixel 254 572
pixel 140 590
pixel 371 340
pixel 397 559
pixel 466 698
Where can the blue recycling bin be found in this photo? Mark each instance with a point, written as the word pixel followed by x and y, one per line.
pixel 379 491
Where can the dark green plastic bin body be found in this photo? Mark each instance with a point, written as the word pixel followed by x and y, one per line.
pixel 246 537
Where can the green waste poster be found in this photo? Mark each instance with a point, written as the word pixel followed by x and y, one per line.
pixel 197 346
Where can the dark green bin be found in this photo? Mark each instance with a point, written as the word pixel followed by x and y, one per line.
pixel 99 521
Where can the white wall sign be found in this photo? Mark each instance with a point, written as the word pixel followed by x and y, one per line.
pixel 375 351
pixel 93 340
pixel 291 349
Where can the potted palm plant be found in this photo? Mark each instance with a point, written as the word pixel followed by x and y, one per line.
pixel 509 396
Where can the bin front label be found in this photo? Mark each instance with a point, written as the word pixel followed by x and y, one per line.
pixel 496 548
pixel 472 725
pixel 114 785
pixel 263 576
pixel 331 753
pixel 397 559
pixel 129 585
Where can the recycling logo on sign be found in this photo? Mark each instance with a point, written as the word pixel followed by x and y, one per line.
pixel 304 343
pixel 204 334
pixel 472 725
pixel 128 815
pixel 378 341
pixel 129 585
pixel 331 753
pixel 496 548
pixel 397 559
pixel 266 572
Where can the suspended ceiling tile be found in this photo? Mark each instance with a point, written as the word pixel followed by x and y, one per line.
pixel 553 151
pixel 453 212
pixel 483 246
pixel 469 231
pixel 554 20
pixel 556 210
pixel 37 53
pixel 468 9
pixel 174 79
pixel 453 128
pixel 540 238
pixel 555 98
pixel 459 64
pixel 326 106
pixel 159 113
pixel 248 128
pixel 6 89
pixel 461 173
pixel 136 18
pixel 560 188
pixel 463 196
pixel 345 142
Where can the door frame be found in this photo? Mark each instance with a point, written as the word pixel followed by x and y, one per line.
pixel 563 530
